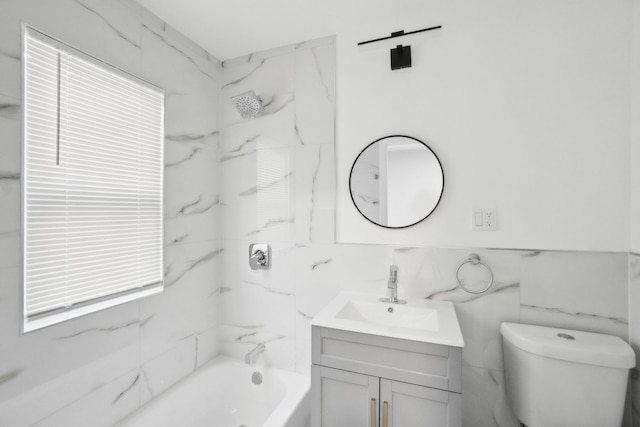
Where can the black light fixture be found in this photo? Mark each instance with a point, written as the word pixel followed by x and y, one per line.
pixel 401 55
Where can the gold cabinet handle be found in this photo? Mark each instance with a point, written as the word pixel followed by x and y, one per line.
pixel 373 412
pixel 385 414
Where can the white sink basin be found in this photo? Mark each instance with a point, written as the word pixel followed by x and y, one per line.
pixel 400 315
pixel 419 320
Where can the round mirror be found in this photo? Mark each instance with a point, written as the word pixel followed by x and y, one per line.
pixel 396 181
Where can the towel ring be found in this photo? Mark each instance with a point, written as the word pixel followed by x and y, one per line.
pixel 474 259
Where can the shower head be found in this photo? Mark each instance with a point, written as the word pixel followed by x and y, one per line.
pixel 248 104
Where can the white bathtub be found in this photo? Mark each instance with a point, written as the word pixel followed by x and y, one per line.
pixel 221 394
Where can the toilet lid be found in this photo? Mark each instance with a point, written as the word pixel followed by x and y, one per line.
pixel 573 346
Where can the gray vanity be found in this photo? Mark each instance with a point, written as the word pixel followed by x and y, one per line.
pixel 379 364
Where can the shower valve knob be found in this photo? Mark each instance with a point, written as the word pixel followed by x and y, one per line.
pixel 259 256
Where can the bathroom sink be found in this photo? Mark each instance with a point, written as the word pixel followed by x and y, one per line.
pixel 404 316
pixel 419 319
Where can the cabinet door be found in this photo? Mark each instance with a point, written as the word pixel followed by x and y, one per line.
pixel 343 399
pixel 409 405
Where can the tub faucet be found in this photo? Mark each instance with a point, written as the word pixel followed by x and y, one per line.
pixel 392 285
pixel 252 355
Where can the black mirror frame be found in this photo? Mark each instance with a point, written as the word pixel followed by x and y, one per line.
pixel 402 226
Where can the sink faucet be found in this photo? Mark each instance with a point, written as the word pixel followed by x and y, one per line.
pixel 252 355
pixel 392 285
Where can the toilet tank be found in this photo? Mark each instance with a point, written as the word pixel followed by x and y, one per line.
pixel 564 378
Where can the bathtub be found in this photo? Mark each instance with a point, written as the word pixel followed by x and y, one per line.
pixel 222 394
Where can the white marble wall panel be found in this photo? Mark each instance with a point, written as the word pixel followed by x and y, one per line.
pixel 186 308
pixel 575 290
pixel 314 176
pixel 103 365
pixel 33 390
pixel 256 195
pixel 271 78
pixel 163 371
pixel 484 402
pixel 293 142
pixel 315 84
pixel 10 69
pixel 192 203
pixel 50 353
pixel 10 119
pixel 191 83
pixel 322 271
pixel 10 165
pixel 258 306
pixel 115 400
pixel 315 139
pixel 634 333
pixel 115 31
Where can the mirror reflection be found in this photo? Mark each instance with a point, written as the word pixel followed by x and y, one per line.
pixel 396 181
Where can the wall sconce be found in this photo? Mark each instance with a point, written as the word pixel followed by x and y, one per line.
pixel 401 55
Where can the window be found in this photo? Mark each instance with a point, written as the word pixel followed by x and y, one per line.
pixel 92 184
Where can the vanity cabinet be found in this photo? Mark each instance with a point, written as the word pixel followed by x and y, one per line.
pixel 362 380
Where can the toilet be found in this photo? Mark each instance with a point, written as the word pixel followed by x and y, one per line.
pixel 563 378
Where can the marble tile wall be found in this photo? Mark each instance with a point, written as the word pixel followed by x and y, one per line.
pixel 634 333
pixel 278 188
pixel 96 369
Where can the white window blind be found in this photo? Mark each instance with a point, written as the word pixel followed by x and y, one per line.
pixel 93 183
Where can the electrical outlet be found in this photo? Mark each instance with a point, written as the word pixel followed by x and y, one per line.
pixel 484 219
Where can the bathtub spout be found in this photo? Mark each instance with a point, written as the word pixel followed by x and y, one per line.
pixel 252 355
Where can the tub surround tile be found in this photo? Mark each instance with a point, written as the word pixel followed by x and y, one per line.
pixel 108 339
pixel 115 32
pixel 183 52
pixel 278 280
pixel 10 222
pixel 237 340
pixel 163 371
pixel 10 187
pixel 271 78
pixel 10 135
pixel 10 70
pixel 49 396
pixel 258 306
pixel 186 307
pixel 191 204
pixel 314 180
pixel 315 94
pixel 303 343
pixel 267 131
pixel 116 399
pixel 207 344
pixel 257 204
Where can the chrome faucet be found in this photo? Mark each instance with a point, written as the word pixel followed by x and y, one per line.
pixel 392 285
pixel 252 355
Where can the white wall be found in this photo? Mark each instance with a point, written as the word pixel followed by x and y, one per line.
pixel 527 106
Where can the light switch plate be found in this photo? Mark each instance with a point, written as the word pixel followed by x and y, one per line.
pixel 483 219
